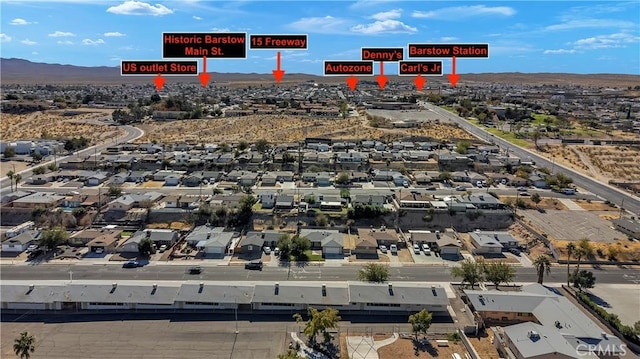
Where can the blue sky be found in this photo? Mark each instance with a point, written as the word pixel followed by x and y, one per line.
pixel 523 36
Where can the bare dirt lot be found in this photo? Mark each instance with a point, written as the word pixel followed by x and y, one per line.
pixel 405 348
pixel 622 250
pixel 283 129
pixel 572 225
pixel 53 124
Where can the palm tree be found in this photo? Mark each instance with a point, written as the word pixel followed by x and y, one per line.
pixel 570 250
pixel 584 249
pixel 10 174
pixel 543 266
pixel 18 178
pixel 23 345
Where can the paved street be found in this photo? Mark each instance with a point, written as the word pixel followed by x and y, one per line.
pixel 412 273
pixel 631 203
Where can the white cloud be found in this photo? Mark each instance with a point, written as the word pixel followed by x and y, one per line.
pixel 114 34
pixel 92 42
pixel 61 34
pixel 448 38
pixel 559 51
pixel 65 42
pixel 322 25
pixel 219 29
pixel 18 21
pixel 387 15
pixel 386 26
pixel 34 52
pixel 620 39
pixel 28 42
pixel 463 12
pixel 590 23
pixel 197 17
pixel 4 37
pixel 133 7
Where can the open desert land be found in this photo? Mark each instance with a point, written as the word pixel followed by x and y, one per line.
pixel 604 163
pixel 278 129
pixel 54 124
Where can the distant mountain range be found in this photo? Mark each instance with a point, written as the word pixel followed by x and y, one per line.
pixel 20 71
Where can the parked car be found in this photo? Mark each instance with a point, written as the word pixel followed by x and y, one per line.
pixel 394 249
pixel 267 250
pixel 431 188
pixel 195 270
pixel 383 248
pixel 99 250
pixel 514 251
pixel 276 251
pixel 427 251
pixel 163 248
pixel 524 194
pixel 131 264
pixel 461 188
pixel 522 189
pixel 255 265
pixel 416 248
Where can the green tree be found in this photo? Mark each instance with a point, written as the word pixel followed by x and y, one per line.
pixel 52 238
pixel 345 193
pixel 498 272
pixel 39 170
pixel 636 327
pixel 284 244
pixel 583 250
pixel 470 271
pixel 224 148
pixel 583 279
pixel 10 175
pixel 542 264
pixel 17 178
pixel 9 152
pixel 445 176
pixel 374 272
pixel 24 345
pixel 37 157
pixel 262 145
pixel 571 248
pixel 462 147
pixel 115 190
pixel 343 178
pixel 299 245
pixel 320 322
pixel 535 198
pixel 145 246
pixel 242 145
pixel 420 322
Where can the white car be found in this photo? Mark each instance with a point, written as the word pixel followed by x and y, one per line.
pixel 425 247
pixel 99 250
pixel 163 248
pixel 267 250
pixel 394 249
pixel 383 249
pixel 416 248
pixel 276 251
pixel 427 251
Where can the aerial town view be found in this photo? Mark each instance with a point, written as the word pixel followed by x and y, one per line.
pixel 366 179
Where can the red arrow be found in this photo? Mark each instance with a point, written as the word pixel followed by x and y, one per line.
pixel 453 78
pixel 382 79
pixel 204 76
pixel 159 81
pixel 419 81
pixel 277 73
pixel 352 82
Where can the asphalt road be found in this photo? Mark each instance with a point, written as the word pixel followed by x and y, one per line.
pixel 132 133
pixel 307 273
pixel 626 200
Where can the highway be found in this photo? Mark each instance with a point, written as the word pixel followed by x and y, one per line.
pixel 132 133
pixel 171 272
pixel 623 199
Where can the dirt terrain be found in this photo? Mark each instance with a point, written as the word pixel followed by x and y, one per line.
pixel 278 129
pixel 54 125
pixel 622 250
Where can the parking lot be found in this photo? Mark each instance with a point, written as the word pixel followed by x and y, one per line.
pixel 115 338
pixel 573 225
pixel 617 299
